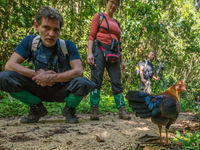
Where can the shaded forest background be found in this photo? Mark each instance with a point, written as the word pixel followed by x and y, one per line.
pixel 170 27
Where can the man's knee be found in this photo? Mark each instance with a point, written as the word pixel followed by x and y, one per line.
pixel 4 80
pixel 81 86
pixel 6 75
pixel 3 75
pixel 79 79
pixel 82 82
pixel 9 82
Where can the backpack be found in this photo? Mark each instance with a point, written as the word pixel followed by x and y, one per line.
pixel 36 43
pixel 35 46
pixel 137 70
pixel 111 56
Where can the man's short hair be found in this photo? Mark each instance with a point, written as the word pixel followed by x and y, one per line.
pixel 152 52
pixel 50 13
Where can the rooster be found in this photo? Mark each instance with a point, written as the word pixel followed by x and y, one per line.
pixel 162 108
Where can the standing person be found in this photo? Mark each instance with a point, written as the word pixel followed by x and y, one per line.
pixel 146 71
pixel 104 38
pixel 57 76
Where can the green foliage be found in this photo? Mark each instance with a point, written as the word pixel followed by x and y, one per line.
pixel 191 142
pixel 54 108
pixel 170 27
pixel 2 95
pixel 17 108
pixel 9 109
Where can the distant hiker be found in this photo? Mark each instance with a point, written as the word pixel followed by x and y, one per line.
pixel 146 72
pixel 57 76
pixel 104 51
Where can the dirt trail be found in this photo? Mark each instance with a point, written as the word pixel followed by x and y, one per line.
pixel 110 133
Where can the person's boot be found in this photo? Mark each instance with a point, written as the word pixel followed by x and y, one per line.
pixel 69 114
pixel 123 114
pixel 36 112
pixel 94 114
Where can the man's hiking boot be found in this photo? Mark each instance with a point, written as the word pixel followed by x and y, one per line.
pixel 36 111
pixel 69 114
pixel 123 114
pixel 94 115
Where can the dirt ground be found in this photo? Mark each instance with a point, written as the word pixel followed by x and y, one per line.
pixel 109 133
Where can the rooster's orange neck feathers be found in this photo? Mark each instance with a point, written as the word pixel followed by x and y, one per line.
pixel 173 92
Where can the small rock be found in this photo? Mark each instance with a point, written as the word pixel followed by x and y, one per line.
pixel 69 142
pixel 99 139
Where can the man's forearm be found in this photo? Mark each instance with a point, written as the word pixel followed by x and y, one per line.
pixel 66 76
pixel 156 78
pixel 20 69
pixel 142 77
pixel 141 74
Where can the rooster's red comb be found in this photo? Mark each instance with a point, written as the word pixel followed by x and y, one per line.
pixel 180 82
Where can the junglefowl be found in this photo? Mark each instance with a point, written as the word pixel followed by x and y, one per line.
pixel 162 108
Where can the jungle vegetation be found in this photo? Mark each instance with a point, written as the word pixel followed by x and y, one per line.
pixel 169 27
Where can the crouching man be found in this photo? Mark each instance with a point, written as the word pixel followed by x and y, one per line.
pixel 57 76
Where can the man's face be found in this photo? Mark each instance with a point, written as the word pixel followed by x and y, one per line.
pixel 151 56
pixel 49 31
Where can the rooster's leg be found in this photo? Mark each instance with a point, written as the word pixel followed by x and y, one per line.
pixel 160 129
pixel 166 131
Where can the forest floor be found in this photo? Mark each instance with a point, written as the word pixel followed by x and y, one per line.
pixel 109 133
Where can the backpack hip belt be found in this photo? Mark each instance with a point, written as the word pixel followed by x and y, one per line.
pixel 110 56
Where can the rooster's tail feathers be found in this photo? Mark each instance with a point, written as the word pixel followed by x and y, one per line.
pixel 136 96
pixel 142 104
